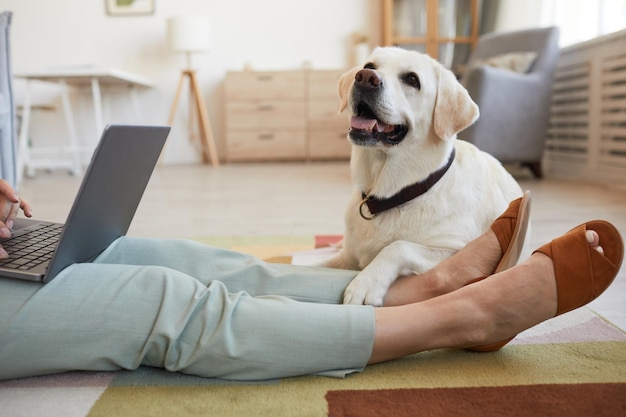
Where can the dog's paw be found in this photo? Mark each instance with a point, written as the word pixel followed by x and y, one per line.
pixel 363 290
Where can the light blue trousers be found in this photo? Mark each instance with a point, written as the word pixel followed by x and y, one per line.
pixel 185 307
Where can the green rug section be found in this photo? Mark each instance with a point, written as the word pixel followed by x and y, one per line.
pixel 150 393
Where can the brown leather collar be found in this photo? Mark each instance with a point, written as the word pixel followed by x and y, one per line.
pixel 377 205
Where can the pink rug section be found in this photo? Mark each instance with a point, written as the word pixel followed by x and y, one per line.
pixel 578 326
pixel 70 394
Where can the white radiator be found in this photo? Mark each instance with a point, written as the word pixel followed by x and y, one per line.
pixel 586 138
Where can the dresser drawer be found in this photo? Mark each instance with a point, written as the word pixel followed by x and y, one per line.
pixel 329 144
pixel 325 113
pixel 265 85
pixel 265 114
pixel 250 145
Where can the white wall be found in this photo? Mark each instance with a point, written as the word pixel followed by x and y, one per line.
pixel 269 34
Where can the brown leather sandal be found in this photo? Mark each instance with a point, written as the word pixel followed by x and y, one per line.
pixel 581 272
pixel 572 255
pixel 510 229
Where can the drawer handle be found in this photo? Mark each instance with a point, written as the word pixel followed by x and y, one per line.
pixel 266 136
pixel 265 107
pixel 265 78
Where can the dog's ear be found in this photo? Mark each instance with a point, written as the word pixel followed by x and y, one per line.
pixel 345 83
pixel 454 108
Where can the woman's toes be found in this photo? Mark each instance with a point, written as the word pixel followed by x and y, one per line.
pixel 592 238
pixel 594 241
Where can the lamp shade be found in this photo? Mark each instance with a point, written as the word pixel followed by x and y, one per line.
pixel 189 34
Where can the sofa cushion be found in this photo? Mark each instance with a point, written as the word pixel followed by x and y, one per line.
pixel 519 62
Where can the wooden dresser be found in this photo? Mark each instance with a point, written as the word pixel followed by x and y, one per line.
pixel 284 115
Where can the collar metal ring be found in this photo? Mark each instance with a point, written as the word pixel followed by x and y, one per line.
pixel 363 203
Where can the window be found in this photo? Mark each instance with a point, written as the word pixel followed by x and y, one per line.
pixel 581 20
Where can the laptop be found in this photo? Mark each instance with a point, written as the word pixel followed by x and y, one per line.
pixel 107 200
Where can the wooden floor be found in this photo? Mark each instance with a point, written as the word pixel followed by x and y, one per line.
pixel 308 199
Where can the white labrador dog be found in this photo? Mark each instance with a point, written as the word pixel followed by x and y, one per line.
pixel 420 194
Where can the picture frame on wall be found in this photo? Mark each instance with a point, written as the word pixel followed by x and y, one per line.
pixel 129 7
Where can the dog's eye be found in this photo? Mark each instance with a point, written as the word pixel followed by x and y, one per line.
pixel 369 65
pixel 412 79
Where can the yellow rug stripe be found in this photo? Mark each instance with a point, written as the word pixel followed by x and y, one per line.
pixel 263 247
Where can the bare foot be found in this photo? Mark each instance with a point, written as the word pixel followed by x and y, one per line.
pixel 521 297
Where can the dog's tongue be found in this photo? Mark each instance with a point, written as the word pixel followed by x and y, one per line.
pixel 363 123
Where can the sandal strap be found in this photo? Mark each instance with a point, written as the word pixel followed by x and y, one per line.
pixel 504 225
pixel 571 255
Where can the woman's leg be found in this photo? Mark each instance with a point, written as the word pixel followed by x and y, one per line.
pixel 478 259
pixel 237 271
pixel 108 317
pixel 485 312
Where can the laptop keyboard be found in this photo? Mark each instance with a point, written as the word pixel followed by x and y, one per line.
pixel 31 248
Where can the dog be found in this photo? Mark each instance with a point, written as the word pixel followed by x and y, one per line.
pixel 420 193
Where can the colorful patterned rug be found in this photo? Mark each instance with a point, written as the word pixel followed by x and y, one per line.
pixel 573 365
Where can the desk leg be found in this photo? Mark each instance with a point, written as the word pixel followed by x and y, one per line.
pixel 71 128
pixel 97 106
pixel 23 154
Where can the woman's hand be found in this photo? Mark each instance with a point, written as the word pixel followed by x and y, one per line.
pixel 10 204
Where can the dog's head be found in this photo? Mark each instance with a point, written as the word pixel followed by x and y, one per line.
pixel 400 94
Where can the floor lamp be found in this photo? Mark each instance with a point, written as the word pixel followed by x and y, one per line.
pixel 191 34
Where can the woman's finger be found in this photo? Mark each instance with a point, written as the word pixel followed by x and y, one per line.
pixel 8 191
pixel 28 211
pixel 12 215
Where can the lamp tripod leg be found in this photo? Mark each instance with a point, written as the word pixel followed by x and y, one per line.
pixel 209 151
pixel 193 128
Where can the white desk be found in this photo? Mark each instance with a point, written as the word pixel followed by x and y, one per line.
pixel 78 77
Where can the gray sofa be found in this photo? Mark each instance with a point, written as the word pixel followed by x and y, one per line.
pixel 514 106
pixel 8 143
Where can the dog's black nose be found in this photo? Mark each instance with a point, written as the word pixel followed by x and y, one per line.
pixel 367 79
